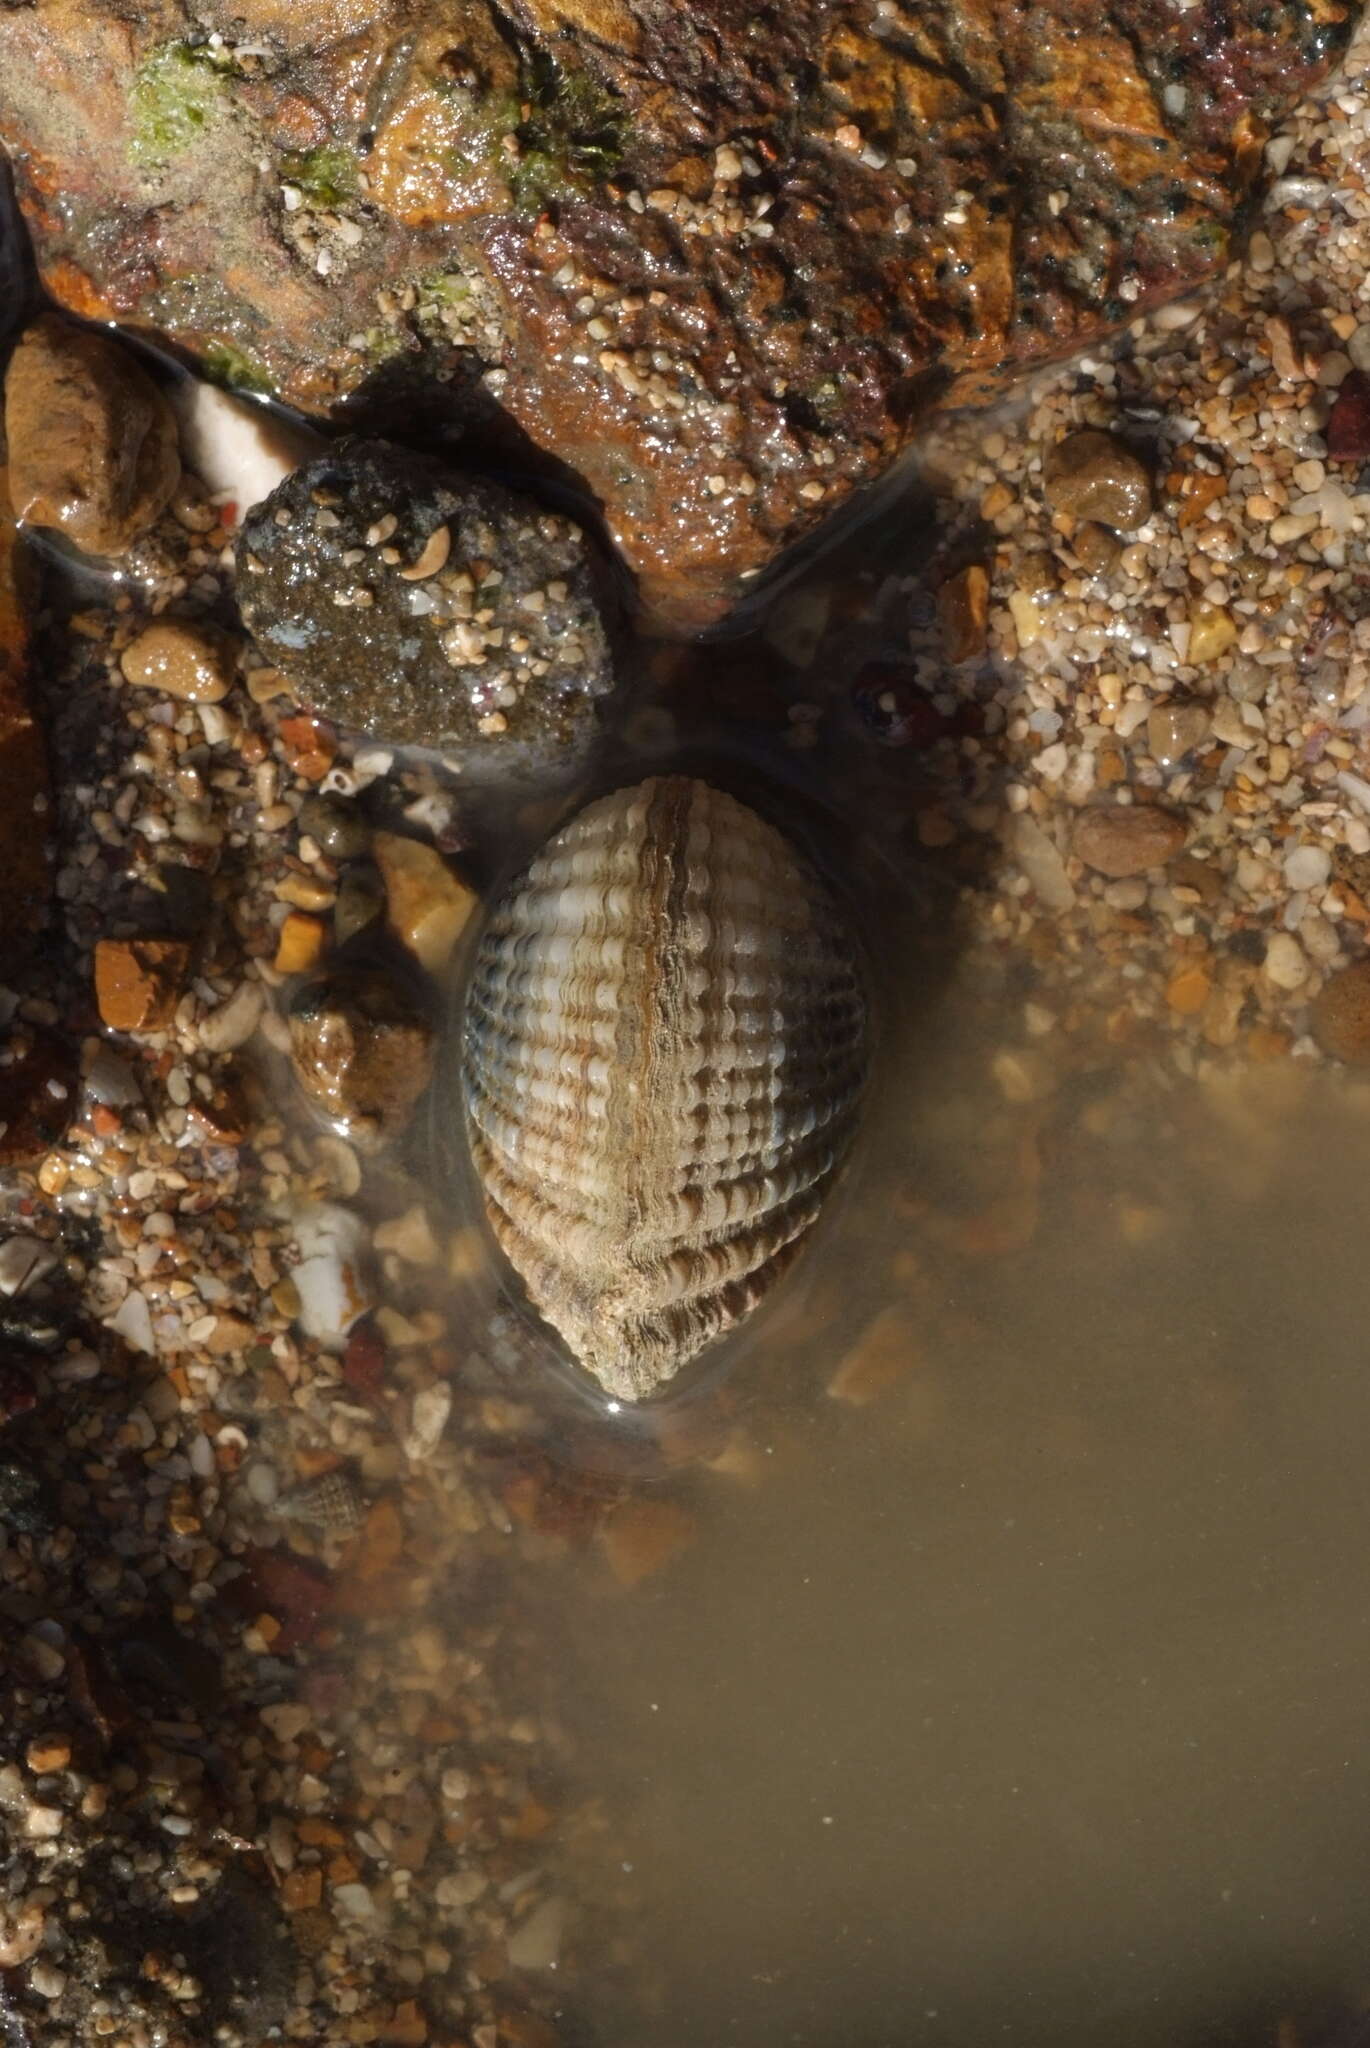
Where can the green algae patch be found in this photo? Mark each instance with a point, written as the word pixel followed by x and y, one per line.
pixel 573 135
pixel 178 91
pixel 237 369
pixel 326 176
pixel 570 131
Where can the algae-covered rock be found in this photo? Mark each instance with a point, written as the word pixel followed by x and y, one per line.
pixel 715 261
pixel 428 609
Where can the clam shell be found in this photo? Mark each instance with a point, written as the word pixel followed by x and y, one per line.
pixel 664 1046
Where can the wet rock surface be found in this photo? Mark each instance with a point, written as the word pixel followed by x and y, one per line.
pixel 1095 476
pixel 715 266
pixel 427 609
pixel 194 663
pixel 24 790
pixel 138 981
pixel 362 1050
pixel 39 1080
pixel 428 904
pixel 92 442
pixel 1119 841
pixel 1341 1015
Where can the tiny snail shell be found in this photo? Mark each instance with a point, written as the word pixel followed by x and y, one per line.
pixel 436 549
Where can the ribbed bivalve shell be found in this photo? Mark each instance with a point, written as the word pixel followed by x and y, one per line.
pixel 664 1048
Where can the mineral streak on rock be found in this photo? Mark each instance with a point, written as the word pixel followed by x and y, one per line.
pixel 716 261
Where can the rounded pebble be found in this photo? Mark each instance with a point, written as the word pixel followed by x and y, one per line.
pixel 1092 475
pixel 1119 840
pixel 1286 963
pixel 337 825
pixel 1341 1015
pixel 1307 867
pixel 193 663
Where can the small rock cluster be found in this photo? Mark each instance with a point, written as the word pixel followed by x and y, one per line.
pixel 258 1776
pixel 1140 699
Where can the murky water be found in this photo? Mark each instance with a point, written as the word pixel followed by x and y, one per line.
pixel 1015 1682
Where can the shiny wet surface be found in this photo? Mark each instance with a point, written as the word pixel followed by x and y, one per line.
pixel 1017 1692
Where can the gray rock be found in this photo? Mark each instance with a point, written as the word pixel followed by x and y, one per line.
pixel 361 900
pixel 428 609
pixel 338 826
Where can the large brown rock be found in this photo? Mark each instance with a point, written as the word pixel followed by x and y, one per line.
pixel 710 260
pixel 92 441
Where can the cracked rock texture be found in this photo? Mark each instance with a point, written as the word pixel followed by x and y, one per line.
pixel 705 263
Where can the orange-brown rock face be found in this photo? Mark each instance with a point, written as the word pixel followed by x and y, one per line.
pixel 23 761
pixel 710 260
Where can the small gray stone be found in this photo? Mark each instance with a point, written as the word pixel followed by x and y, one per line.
pixel 337 825
pixel 360 901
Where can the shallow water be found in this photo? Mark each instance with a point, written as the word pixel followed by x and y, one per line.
pixel 1014 1684
pixel 1023 1696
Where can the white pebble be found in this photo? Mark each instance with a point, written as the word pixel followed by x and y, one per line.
pixel 132 1321
pixel 353 1902
pixel 234 1022
pixel 1307 867
pixel 427 1421
pixel 1285 961
pixel 1356 787
pixel 23 1260
pixel 328 1278
pixel 262 1483
pixel 1041 862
